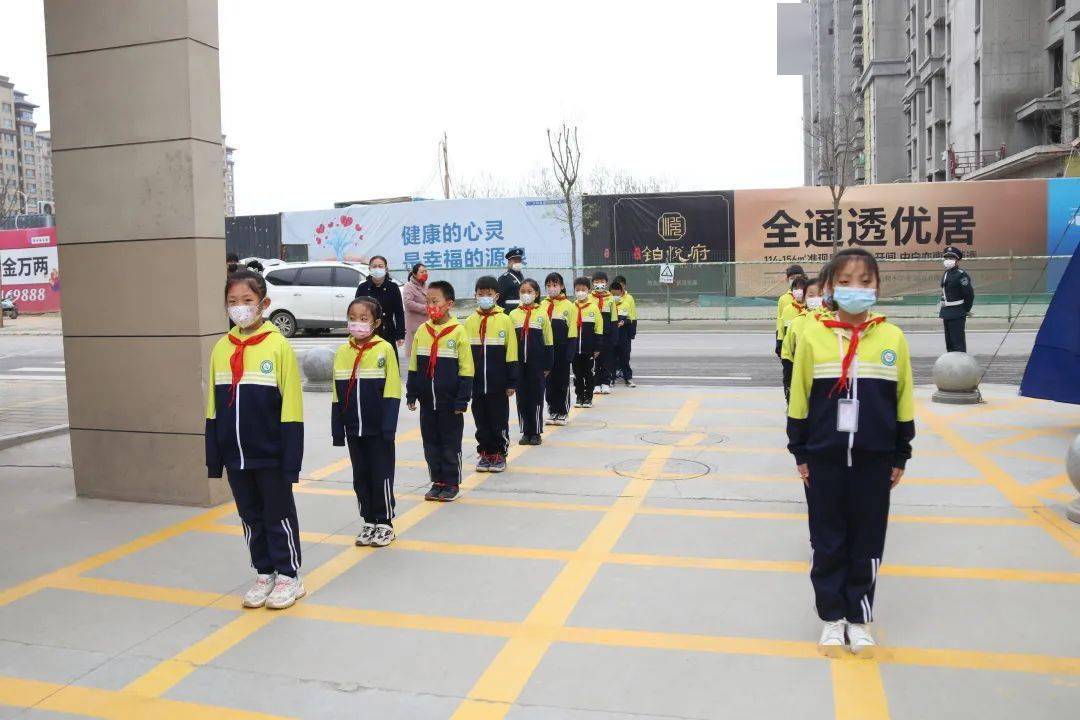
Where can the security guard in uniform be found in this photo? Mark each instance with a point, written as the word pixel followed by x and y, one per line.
pixel 510 281
pixel 957 297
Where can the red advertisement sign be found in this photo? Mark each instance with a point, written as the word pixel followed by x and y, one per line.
pixel 29 269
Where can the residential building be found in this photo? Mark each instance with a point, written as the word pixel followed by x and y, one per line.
pixel 230 185
pixel 25 152
pixel 948 89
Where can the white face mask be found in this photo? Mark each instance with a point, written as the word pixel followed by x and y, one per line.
pixel 517 267
pixel 554 292
pixel 378 273
pixel 797 294
pixel 813 303
pixel 581 294
pixel 527 298
pixel 244 315
pixel 949 263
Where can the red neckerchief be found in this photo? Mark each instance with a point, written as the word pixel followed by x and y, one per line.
pixel 525 330
pixel 236 362
pixel 551 306
pixel 435 338
pixel 798 306
pixel 856 331
pixel 599 299
pixel 580 308
pixel 483 322
pixel 360 350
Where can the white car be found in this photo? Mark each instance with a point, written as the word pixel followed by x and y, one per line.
pixel 312 296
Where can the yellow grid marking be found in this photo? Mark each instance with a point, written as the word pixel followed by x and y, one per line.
pixel 858 693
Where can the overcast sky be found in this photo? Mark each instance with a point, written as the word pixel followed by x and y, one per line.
pixel 329 100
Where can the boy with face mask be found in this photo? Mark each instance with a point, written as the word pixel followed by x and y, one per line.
pixel 495 357
pixel 255 431
pixel 605 361
pixel 850 427
pixel 587 338
pixel 364 411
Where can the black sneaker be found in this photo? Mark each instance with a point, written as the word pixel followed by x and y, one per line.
pixel 449 493
pixel 525 440
pixel 435 493
pixel 537 440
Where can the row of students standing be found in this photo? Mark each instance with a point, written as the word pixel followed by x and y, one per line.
pixel 850 424
pixel 254 426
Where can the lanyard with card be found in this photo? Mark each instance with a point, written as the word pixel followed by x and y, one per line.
pixel 847 415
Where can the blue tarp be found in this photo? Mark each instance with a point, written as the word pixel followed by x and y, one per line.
pixel 1053 370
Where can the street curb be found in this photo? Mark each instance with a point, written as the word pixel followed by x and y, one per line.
pixel 8 441
pixel 42 333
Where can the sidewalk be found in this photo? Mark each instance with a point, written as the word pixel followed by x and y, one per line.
pixel 647 561
pixel 48 324
pixel 32 409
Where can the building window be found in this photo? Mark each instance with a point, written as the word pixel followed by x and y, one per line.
pixel 28 144
pixel 30 173
pixel 32 187
pixel 7 107
pixel 28 159
pixel 978 146
pixel 930 95
pixel 1058 5
pixel 978 13
pixel 978 80
pixel 9 125
pixel 1057 66
pixel 27 130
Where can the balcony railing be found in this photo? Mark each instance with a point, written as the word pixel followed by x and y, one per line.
pixel 964 162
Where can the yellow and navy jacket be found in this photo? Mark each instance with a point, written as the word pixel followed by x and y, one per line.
pixel 627 313
pixel 371 409
pixel 263 427
pixel 452 385
pixel 781 305
pixel 563 322
pixel 791 311
pixel 791 337
pixel 880 379
pixel 605 302
pixel 538 350
pixel 588 327
pixel 495 357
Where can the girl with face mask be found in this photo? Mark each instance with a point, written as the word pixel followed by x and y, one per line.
pixel 852 375
pixel 537 354
pixel 380 286
pixel 560 311
pixel 813 313
pixel 255 432
pixel 790 312
pixel 363 414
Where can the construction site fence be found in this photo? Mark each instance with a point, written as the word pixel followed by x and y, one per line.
pixel 1005 287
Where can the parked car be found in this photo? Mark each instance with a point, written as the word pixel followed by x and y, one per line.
pixel 9 308
pixel 312 297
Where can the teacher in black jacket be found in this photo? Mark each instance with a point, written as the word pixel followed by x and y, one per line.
pixel 379 286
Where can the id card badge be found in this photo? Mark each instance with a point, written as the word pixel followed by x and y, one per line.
pixel 847 415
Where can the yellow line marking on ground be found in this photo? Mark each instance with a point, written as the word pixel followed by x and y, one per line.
pixel 154 593
pixel 801 517
pixel 1051 483
pixel 858 692
pixel 1013 491
pixel 504 679
pixel 1022 435
pixel 111 704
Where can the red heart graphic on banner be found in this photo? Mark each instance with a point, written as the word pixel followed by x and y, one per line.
pixel 346 220
pixel 320 230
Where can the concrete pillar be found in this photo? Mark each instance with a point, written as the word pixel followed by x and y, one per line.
pixel 137 162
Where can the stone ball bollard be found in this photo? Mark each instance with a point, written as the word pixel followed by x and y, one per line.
pixel 318 366
pixel 957 377
pixel 1072 469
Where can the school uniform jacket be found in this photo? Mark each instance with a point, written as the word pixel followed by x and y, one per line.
pixel 627 311
pixel 883 385
pixel 495 355
pixel 588 327
pixel 781 304
pixel 263 425
pixel 605 302
pixel 791 311
pixel 451 387
pixel 538 349
pixel 560 312
pixel 371 408
pixel 791 337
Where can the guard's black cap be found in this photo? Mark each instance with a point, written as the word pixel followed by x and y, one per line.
pixel 952 252
pixel 515 252
pixel 794 270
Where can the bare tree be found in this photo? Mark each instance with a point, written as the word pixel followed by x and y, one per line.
pixel 565 162
pixel 603 180
pixel 836 140
pixel 483 185
pixel 9 199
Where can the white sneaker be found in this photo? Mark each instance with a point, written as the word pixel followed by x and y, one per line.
pixel 286 592
pixel 862 642
pixel 833 642
pixel 552 420
pixel 256 596
pixel 603 390
pixel 366 533
pixel 384 535
pixel 559 420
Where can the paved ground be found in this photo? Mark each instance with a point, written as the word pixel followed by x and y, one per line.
pixel 649 560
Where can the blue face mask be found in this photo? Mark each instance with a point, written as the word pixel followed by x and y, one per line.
pixel 486 302
pixel 855 300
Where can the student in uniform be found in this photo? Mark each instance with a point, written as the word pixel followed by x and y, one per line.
pixel 559 311
pixel 605 361
pixel 814 312
pixel 793 310
pixel 784 300
pixel 588 332
pixel 440 379
pixel 850 427
pixel 626 309
pixel 495 358
pixel 364 412
pixel 255 431
pixel 537 355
